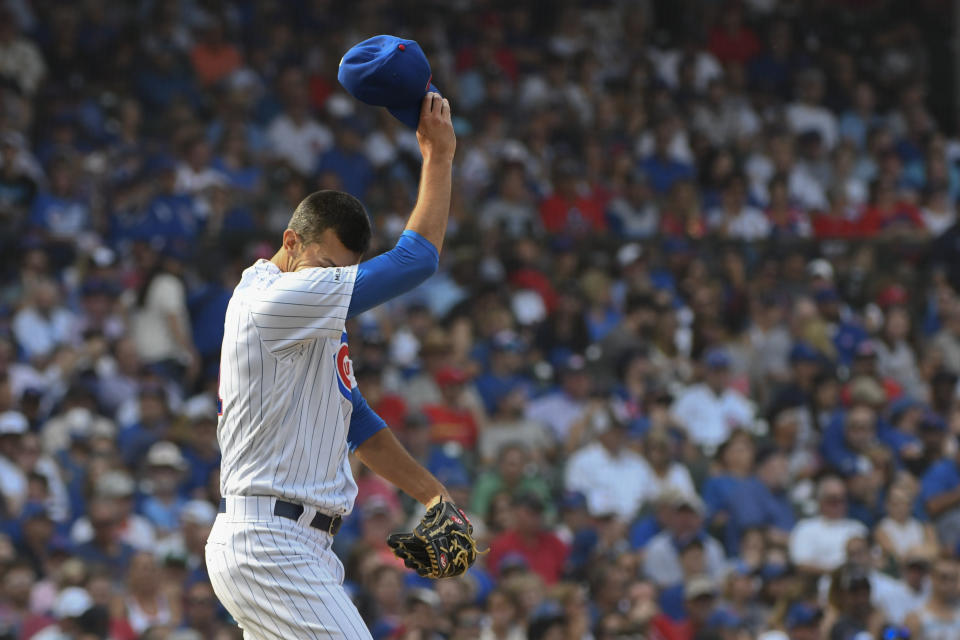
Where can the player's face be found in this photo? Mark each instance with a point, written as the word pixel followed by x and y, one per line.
pixel 327 252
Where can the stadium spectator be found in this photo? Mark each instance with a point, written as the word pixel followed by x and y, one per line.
pixel 528 542
pixel 683 524
pixel 597 469
pixel 708 411
pixel 938 615
pixel 818 544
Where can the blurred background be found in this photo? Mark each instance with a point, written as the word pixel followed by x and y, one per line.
pixel 691 359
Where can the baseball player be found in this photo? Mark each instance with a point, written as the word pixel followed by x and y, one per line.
pixel 290 409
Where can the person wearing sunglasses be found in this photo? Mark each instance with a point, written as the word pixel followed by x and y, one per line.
pixel 939 617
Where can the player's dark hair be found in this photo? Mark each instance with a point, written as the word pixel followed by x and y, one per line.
pixel 322 210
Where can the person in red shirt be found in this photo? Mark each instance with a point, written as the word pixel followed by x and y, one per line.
pixel 683 216
pixel 839 221
pixel 731 40
pixel 567 210
pixel 451 421
pixel 490 54
pixel 888 215
pixel 864 365
pixel 213 57
pixel 543 551
pixel 389 406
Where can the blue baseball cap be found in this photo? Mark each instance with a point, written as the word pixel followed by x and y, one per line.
pixel 386 71
pixel 803 352
pixel 573 500
pixel 931 421
pixel 34 510
pixel 802 615
pixel 717 358
pixel 903 404
pixel 826 295
pixel 724 619
pixel 774 570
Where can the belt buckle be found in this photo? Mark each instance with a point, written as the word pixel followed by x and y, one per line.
pixel 331 526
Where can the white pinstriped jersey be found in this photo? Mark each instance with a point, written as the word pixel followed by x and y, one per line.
pixel 285 387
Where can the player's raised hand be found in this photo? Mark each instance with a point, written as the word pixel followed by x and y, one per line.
pixel 435 131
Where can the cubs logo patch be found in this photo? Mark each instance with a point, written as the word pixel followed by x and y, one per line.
pixel 344 367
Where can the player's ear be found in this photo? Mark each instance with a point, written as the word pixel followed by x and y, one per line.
pixel 291 240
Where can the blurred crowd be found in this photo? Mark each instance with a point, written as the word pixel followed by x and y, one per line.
pixel 690 361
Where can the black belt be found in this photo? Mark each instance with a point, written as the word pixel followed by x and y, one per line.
pixel 293 511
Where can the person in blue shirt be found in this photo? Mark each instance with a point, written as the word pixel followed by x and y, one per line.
pixel 866 495
pixel 164 504
pixel 932 432
pixel 672 599
pixel 61 213
pixel 773 470
pixel 503 374
pixel 846 334
pixel 164 80
pixel 200 452
pixel 940 498
pixel 806 364
pixel 347 160
pixel 772 71
pixel 168 216
pixel 208 307
pixel 899 431
pixel 736 499
pixel 225 218
pixel 105 550
pixel 235 162
pixel 646 527
pixel 848 437
pixel 661 169
pixel 153 424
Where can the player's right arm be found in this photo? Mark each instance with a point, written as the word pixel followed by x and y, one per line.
pixel 416 256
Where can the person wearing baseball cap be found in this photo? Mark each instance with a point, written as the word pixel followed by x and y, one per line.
pixel 527 537
pixel 119 488
pixel 451 419
pixel 503 376
pixel 597 469
pixel 700 600
pixel 711 409
pixel 803 621
pixel 71 604
pixel 200 449
pixel 661 560
pixel 165 470
pixel 562 408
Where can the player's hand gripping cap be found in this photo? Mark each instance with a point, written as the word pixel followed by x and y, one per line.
pixel 442 544
pixel 386 71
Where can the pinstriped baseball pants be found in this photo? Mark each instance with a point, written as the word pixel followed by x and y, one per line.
pixel 278 578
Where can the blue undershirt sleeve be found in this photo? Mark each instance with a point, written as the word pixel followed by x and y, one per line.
pixel 393 273
pixel 364 422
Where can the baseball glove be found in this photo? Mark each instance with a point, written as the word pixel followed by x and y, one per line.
pixel 441 545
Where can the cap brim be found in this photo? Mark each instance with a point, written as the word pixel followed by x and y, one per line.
pixel 410 116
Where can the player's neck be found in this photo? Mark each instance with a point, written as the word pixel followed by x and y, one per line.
pixel 282 259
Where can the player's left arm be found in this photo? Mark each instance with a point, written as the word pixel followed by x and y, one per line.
pixel 417 253
pixel 376 446
pixel 409 263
